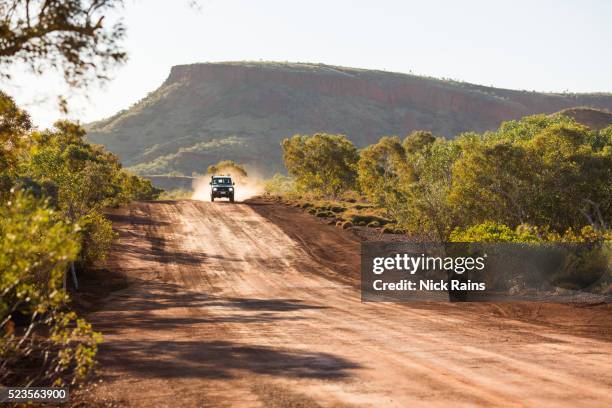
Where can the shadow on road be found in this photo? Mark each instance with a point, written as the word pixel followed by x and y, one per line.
pixel 219 360
pixel 277 305
pixel 135 309
pixel 135 220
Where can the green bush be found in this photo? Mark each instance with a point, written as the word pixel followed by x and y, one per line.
pixel 96 237
pixel 36 247
pixel 346 224
pixel 493 232
pixel 176 194
pixel 279 184
pixel 367 218
pixel 54 187
pixel 351 196
pixel 382 169
pixel 544 171
pixel 227 167
pixel 321 164
pixel 393 229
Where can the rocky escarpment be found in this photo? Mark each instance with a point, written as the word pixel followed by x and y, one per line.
pixel 206 112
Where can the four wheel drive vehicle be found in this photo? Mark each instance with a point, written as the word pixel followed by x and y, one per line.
pixel 221 186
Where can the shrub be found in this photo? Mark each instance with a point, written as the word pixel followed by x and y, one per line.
pixel 351 196
pixel 279 184
pixel 545 171
pixel 35 250
pixel 346 224
pixel 176 194
pixel 97 236
pixel 227 166
pixel 493 232
pixel 367 218
pixel 337 209
pixel 393 229
pixel 382 168
pixel 322 164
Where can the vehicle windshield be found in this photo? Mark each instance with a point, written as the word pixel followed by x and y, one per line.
pixel 224 181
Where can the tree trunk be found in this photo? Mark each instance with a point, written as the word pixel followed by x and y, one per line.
pixel 74 277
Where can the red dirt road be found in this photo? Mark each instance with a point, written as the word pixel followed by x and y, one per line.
pixel 229 305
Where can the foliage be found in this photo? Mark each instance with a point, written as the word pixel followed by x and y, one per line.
pixel 68 35
pixel 417 141
pixel 132 187
pixel 36 246
pixel 490 231
pixel 181 161
pixel 323 163
pixel 546 172
pixel 411 180
pixel 279 184
pixel 53 189
pixel 426 210
pixel 558 176
pixel 227 166
pixel 176 194
pixel 96 236
pixel 85 179
pixel 14 124
pixel 87 176
pixel 382 168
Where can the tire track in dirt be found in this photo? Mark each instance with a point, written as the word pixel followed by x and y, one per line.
pixel 225 309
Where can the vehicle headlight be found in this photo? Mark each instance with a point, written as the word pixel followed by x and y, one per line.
pixel 214 188
pixel 231 188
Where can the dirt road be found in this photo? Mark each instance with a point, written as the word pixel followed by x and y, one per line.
pixel 225 308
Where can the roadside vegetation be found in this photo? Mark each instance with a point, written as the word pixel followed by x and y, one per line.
pixel 54 187
pixel 541 178
pixel 175 194
pixel 227 166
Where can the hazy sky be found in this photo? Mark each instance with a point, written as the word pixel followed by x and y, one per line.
pixel 535 45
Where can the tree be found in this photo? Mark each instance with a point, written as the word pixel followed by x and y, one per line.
pixel 545 171
pixel 229 166
pixel 279 184
pixel 86 179
pixel 427 210
pixel 417 141
pixel 490 183
pixel 14 124
pixel 322 163
pixel 382 169
pixel 69 35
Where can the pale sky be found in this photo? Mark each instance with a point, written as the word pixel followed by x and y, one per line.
pixel 534 45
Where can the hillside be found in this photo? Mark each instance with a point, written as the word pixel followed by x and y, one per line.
pixel 242 110
pixel 596 119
